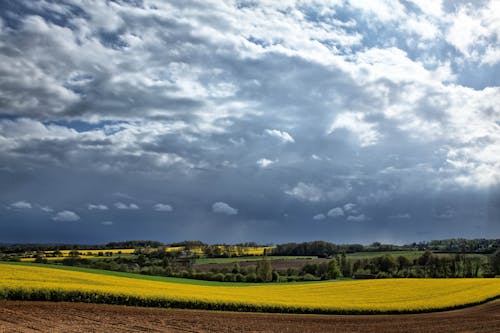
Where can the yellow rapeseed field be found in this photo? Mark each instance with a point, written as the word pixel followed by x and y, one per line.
pixel 81 253
pixel 66 253
pixel 232 250
pixel 336 296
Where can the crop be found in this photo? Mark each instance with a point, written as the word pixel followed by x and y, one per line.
pixel 367 296
pixel 232 250
pixel 51 255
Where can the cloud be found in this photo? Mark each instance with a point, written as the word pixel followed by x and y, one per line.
pixel 319 217
pixel 357 218
pixel 107 223
pixel 121 205
pixel 383 104
pixel 335 212
pixel 46 209
pixel 66 216
pixel 163 207
pixel 264 162
pixel 305 192
pixel 401 216
pixel 444 214
pixel 349 207
pixel 223 208
pixel 97 207
pixel 472 32
pixel 366 132
pixel 282 135
pixel 21 205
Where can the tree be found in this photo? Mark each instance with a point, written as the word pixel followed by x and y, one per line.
pixel 385 263
pixel 403 263
pixel 264 271
pixel 345 265
pixel 333 269
pixel 495 262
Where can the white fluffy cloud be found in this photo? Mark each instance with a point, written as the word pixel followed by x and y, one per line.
pixel 264 162
pixel 97 207
pixel 66 216
pixel 349 206
pixel 366 132
pixel 46 209
pixel 305 192
pixel 474 32
pixel 281 135
pixel 223 208
pixel 357 218
pixel 319 217
pixel 124 206
pixel 335 212
pixel 160 207
pixel 21 205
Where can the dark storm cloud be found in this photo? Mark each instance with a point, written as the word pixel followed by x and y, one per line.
pixel 261 122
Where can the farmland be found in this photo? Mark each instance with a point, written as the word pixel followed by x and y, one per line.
pixel 373 296
pixel 233 263
pixel 196 251
pixel 232 260
pixel 23 316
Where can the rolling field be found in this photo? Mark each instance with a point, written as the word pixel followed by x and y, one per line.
pixel 22 316
pixel 28 282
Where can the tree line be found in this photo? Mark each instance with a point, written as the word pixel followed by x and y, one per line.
pixel 314 248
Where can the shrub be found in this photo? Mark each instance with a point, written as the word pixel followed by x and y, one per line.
pixel 252 277
pixel 309 277
pixel 219 277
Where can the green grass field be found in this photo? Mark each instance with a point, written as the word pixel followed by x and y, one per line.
pixel 369 255
pixel 408 254
pixel 249 258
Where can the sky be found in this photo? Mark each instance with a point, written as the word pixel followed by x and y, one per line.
pixel 233 121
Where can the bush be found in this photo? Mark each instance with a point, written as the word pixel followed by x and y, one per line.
pixel 252 277
pixel 309 277
pixel 383 275
pixel 283 279
pixel 219 277
pixel 293 278
pixel 229 277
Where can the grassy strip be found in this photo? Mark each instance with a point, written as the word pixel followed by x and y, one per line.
pixel 57 295
pixel 155 278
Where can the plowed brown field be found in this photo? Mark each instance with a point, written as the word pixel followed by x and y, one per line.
pixel 16 316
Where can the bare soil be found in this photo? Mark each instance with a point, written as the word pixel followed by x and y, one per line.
pixel 18 316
